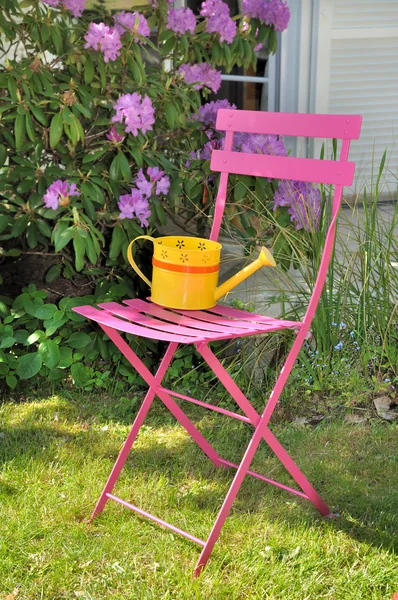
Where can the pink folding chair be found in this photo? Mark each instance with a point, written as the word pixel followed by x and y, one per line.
pixel 148 320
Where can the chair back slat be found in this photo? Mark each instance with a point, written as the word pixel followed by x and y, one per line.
pixel 303 125
pixel 283 167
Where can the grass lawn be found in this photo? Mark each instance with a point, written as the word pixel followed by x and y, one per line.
pixel 56 453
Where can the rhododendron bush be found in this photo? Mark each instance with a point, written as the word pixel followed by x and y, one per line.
pixel 106 125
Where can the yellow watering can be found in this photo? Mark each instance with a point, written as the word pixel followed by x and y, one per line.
pixel 185 271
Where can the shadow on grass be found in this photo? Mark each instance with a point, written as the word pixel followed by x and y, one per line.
pixel 352 468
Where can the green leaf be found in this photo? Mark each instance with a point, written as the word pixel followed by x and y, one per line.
pixel 56 38
pixel 114 169
pixel 118 239
pixel 79 340
pixel 20 225
pixel 34 337
pixel 39 114
pixel 135 70
pixel 124 166
pixel 46 311
pixel 168 46
pixel 272 42
pixel 44 228
pixel 20 130
pixel 56 128
pixel 66 358
pixel 7 342
pixel 88 70
pixel 90 250
pixel 29 365
pixel 81 374
pixel 136 154
pixel 30 129
pixel 12 88
pixel 240 191
pixel 80 249
pixel 170 112
pixel 3 154
pixel 49 353
pixel 11 381
pixel 64 238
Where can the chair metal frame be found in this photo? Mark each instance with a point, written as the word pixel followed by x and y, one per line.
pixel 200 328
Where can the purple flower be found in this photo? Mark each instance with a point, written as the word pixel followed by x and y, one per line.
pixel 136 112
pixel 338 346
pixel 155 173
pixel 143 184
pixel 271 12
pixel 133 22
pixel 163 186
pixel 208 112
pixel 58 194
pixel 258 143
pixel 155 176
pixel 101 37
pixel 181 20
pixel 216 144
pixel 76 7
pixel 303 202
pixel 134 205
pixel 201 75
pixel 218 19
pixel 114 136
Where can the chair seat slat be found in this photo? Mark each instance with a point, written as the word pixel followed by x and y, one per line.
pixel 185 318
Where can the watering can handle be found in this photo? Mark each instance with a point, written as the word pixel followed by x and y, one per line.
pixel 131 259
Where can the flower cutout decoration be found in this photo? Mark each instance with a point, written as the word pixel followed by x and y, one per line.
pixel 202 246
pixel 205 258
pixel 184 258
pixel 164 254
pixel 180 244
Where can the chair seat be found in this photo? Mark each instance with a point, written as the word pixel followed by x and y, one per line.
pixel 148 320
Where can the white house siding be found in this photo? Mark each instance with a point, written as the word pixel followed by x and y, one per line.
pixel 341 56
pixel 357 72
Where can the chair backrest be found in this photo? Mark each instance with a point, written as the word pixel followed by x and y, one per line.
pixel 335 172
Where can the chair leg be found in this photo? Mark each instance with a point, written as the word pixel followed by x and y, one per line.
pixel 121 459
pixel 260 423
pixel 295 472
pixel 167 400
pixel 229 499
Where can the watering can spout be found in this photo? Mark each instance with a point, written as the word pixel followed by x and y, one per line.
pixel 265 258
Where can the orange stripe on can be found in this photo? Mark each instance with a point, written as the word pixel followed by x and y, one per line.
pixel 184 269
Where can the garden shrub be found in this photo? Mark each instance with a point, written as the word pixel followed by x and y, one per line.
pixel 103 136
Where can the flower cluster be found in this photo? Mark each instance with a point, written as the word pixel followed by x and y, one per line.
pixel 135 23
pixel 76 7
pixel 201 75
pixel 260 144
pixel 134 205
pixel 303 202
pixel 136 112
pixel 208 112
pixel 181 20
pixel 218 19
pixel 271 12
pixel 156 176
pixel 106 39
pixel 58 194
